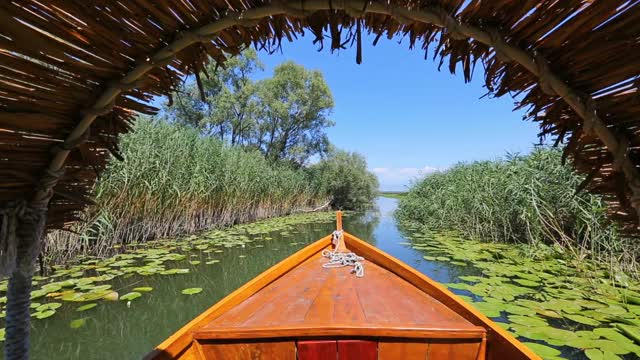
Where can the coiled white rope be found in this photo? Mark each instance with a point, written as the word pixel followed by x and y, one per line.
pixel 341 259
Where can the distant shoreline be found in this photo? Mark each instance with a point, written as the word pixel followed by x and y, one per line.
pixel 393 194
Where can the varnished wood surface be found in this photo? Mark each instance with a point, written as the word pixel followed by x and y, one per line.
pixel 357 350
pixel 273 350
pixel 317 350
pixel 336 331
pixel 311 298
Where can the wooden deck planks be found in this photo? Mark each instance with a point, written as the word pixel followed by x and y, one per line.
pixel 314 296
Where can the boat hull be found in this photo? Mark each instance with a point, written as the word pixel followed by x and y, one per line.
pixel 215 335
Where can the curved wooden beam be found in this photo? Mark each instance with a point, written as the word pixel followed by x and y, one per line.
pixel 550 82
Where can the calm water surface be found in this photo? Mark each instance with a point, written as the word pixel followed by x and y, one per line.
pixel 114 330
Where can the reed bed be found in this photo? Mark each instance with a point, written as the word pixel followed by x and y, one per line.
pixel 175 181
pixel 520 199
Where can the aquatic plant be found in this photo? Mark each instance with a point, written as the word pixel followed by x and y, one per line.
pixel 557 307
pixel 175 181
pixel 530 199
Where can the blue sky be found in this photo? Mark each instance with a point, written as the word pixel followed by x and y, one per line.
pixel 405 116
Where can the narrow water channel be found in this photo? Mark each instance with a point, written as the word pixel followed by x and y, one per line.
pixel 128 330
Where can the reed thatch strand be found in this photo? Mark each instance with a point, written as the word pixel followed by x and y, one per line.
pixel 73 74
pixel 550 82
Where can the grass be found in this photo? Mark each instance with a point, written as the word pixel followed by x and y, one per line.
pixel 175 181
pixel 520 199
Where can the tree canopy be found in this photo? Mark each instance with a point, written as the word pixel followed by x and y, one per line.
pixel 284 116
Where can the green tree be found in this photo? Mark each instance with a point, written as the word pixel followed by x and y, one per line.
pixel 285 117
pixel 344 176
pixel 296 104
pixel 230 106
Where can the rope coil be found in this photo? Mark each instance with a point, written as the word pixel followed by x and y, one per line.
pixel 341 259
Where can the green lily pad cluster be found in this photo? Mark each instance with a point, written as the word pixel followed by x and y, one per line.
pixel 90 280
pixel 551 304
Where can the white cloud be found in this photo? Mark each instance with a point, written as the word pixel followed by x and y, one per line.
pixel 398 178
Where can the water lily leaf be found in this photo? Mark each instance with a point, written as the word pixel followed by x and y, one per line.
pixel 38 294
pixel 143 289
pixel 488 309
pixel 579 343
pixel 610 346
pixel 87 307
pixel 212 262
pixel 49 288
pixel 194 262
pixel 566 306
pixel 612 310
pixel 526 282
pixel 48 306
pixel 2 334
pixel 612 334
pixel 527 320
pixel 130 296
pixel 191 291
pixel 459 286
pixel 44 314
pixel 582 319
pixel 78 323
pixel 534 333
pixel 519 310
pixel 594 354
pixel 542 350
pixel 550 313
pixel 175 271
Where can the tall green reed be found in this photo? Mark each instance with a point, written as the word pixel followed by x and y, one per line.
pixel 519 199
pixel 175 181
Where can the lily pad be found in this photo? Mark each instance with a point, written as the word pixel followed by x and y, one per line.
pixel 543 350
pixel 519 310
pixel 48 306
pixel 582 319
pixel 130 296
pixel 527 320
pixel 44 314
pixel 527 283
pixel 78 323
pixel 143 289
pixel 191 291
pixel 612 310
pixel 488 309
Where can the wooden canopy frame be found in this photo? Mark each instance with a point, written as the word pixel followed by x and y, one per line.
pixel 574 63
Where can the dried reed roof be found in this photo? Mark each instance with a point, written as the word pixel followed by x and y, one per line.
pixel 74 72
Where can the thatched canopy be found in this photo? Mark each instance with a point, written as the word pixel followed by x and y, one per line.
pixel 73 73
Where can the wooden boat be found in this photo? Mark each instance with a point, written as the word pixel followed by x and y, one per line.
pixel 299 309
